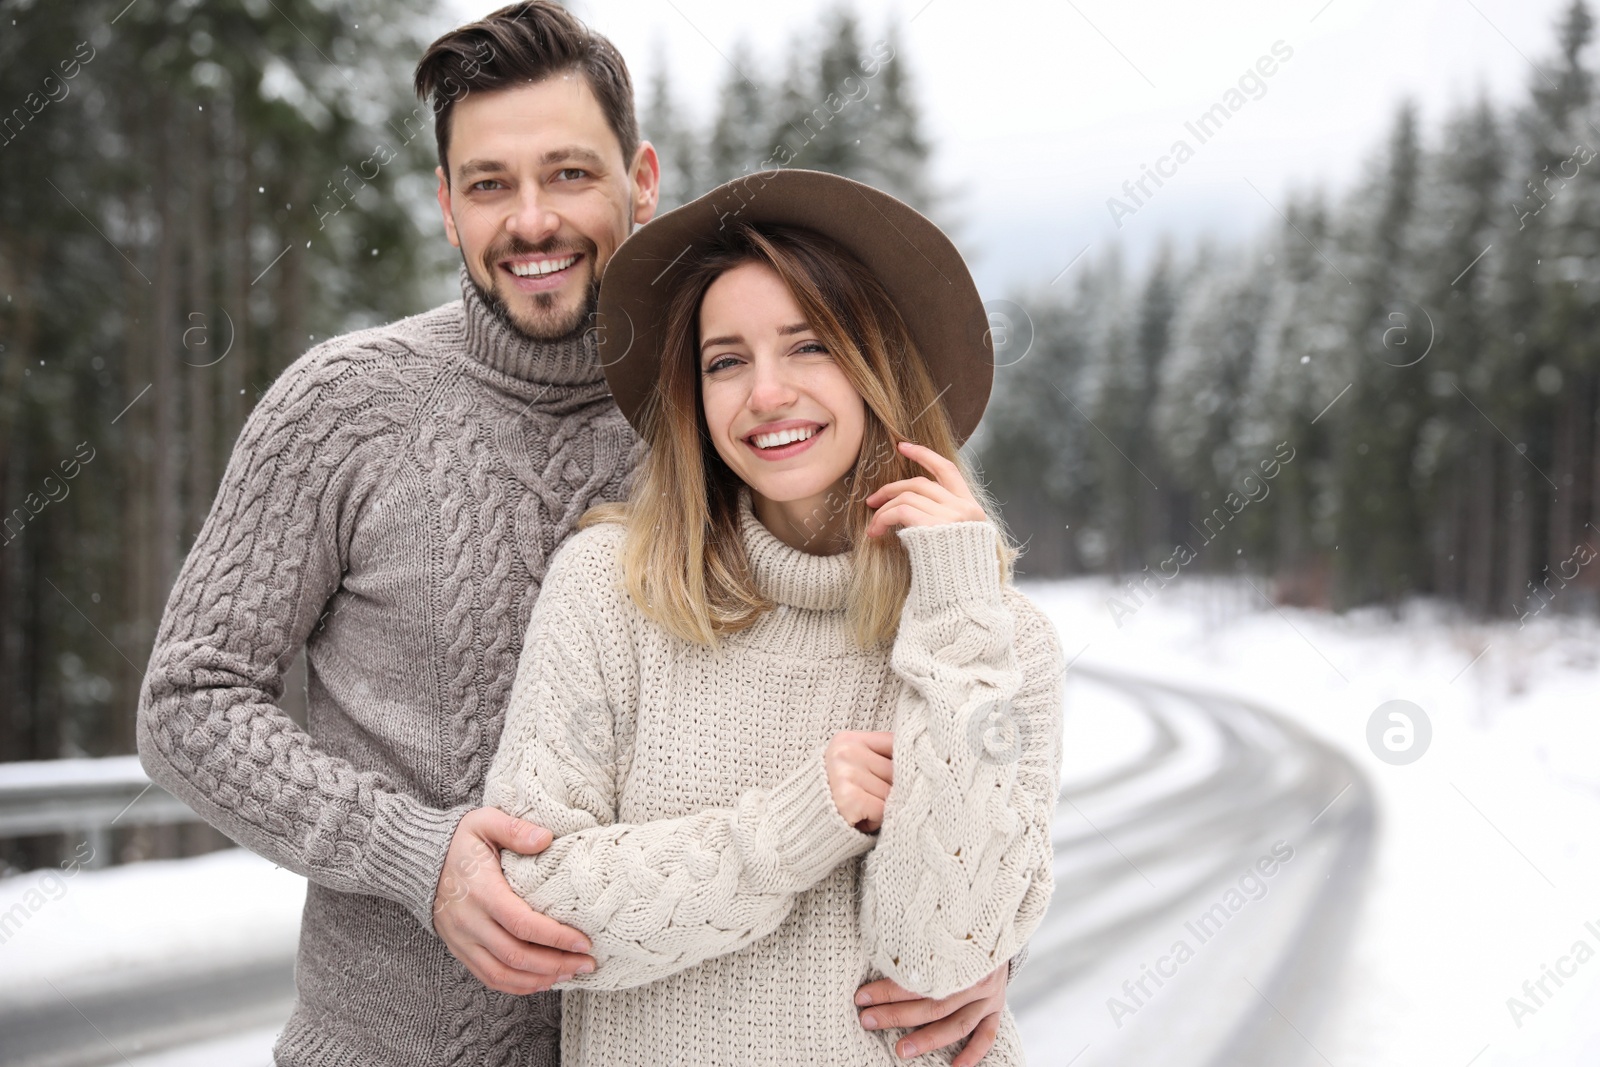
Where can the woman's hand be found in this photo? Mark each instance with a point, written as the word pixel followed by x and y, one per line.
pixel 860 769
pixel 974 1011
pixel 923 501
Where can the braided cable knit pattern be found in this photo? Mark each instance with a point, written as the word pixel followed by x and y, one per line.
pixel 655 897
pixel 231 626
pixel 957 883
pixel 732 910
pixel 369 519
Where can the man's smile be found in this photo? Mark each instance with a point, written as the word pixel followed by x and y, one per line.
pixel 540 273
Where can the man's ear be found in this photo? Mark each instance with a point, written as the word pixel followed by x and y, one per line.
pixel 646 181
pixel 444 208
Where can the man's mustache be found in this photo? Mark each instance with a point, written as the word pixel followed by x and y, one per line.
pixel 522 248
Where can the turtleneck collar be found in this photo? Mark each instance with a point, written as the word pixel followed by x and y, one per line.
pixel 497 346
pixel 789 576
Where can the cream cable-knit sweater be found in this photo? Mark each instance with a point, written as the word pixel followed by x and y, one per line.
pixel 733 911
pixel 391 506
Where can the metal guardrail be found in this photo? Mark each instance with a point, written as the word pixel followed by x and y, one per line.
pixel 164 1003
pixel 82 796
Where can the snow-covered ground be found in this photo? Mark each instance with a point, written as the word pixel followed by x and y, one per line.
pixel 102 926
pixel 1486 877
pixel 73 942
pixel 1488 863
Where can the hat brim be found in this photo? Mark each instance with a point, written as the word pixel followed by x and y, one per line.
pixel 915 262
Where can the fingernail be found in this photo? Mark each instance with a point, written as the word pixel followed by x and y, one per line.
pixel 585 968
pixel 910 1050
pixel 870 1021
pixel 863 998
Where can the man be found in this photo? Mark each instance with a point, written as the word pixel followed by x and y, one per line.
pixel 391 506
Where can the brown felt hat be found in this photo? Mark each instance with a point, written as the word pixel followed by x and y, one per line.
pixel 910 256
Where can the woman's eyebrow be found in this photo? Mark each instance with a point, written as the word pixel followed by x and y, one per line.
pixel 735 339
pixel 730 339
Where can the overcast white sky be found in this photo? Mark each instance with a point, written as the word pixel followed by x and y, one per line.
pixel 1041 110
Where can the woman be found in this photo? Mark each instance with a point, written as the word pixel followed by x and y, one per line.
pixel 788 721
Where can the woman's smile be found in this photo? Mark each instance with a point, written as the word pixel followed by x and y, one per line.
pixel 780 440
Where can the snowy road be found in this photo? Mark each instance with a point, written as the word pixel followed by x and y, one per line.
pixel 1210 856
pixel 1175 806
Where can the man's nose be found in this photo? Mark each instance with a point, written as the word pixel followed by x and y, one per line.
pixel 533 218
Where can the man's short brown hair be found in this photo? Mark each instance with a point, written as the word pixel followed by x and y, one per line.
pixel 524 43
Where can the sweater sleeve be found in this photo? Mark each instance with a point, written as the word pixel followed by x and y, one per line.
pixel 252 589
pixel 654 897
pixel 962 871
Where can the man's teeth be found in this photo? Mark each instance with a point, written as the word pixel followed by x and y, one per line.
pixel 548 266
pixel 783 437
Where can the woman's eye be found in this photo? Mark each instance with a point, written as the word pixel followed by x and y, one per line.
pixel 812 346
pixel 720 363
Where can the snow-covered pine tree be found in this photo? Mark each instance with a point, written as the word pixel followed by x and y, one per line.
pixel 667 126
pixel 1374 428
pixel 901 151
pixel 740 141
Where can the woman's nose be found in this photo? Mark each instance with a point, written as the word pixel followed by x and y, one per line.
pixel 770 389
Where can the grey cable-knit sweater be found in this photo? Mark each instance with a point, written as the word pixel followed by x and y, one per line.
pixel 733 911
pixel 391 505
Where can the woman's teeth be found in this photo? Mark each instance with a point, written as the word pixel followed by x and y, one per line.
pixel 783 437
pixel 548 266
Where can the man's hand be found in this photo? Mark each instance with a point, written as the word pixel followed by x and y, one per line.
pixel 938 1023
pixel 507 945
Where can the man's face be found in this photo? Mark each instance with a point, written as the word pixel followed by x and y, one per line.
pixel 539 199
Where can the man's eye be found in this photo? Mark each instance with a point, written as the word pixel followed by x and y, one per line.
pixel 486 181
pixel 571 173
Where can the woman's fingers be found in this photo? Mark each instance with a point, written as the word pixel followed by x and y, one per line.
pixel 943 470
pixel 860 768
pixel 953 488
pixel 907 509
pixel 873 786
pixel 879 741
pixel 882 767
pixel 919 484
pixel 867 812
pixel 922 500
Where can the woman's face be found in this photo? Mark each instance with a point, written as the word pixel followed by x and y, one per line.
pixel 781 412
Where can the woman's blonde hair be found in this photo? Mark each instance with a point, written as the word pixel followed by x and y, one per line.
pixel 683 560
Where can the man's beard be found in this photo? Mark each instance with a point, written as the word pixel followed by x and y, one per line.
pixel 570 330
